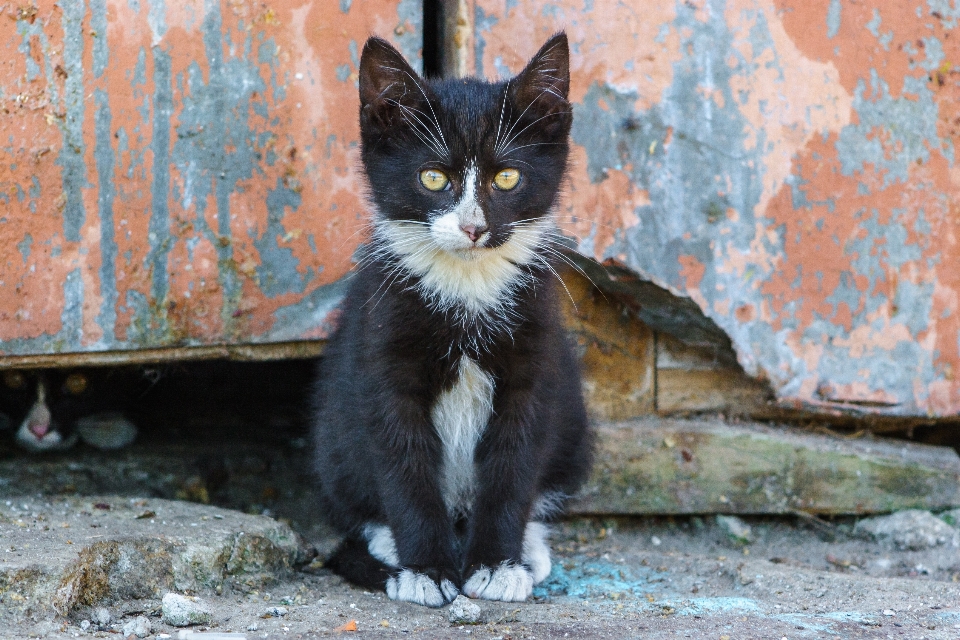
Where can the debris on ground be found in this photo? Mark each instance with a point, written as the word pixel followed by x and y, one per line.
pixel 463 610
pixel 738 530
pixel 184 611
pixel 912 529
pixel 139 626
pixel 102 618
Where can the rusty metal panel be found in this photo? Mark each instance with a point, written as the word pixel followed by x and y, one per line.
pixel 787 164
pixel 180 173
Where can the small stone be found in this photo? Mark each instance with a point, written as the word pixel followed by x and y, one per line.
pixel 101 617
pixel 736 529
pixel 274 612
pixel 84 625
pixel 889 612
pixel 183 611
pixel 463 611
pixel 912 529
pixel 139 626
pixel 253 627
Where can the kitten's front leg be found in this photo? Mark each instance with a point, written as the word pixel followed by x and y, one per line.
pixel 419 526
pixel 506 553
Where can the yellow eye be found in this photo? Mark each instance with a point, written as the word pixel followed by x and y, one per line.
pixel 434 180
pixel 76 384
pixel 14 379
pixel 506 179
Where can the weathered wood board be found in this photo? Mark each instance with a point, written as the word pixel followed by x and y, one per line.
pixel 658 466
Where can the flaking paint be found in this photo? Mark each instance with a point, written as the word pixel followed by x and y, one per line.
pixel 186 173
pixel 180 173
pixel 787 164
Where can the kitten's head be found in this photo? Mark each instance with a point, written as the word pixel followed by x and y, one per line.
pixel 43 407
pixel 464 167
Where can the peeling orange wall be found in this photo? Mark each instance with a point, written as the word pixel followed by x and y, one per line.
pixel 180 173
pixel 186 173
pixel 789 165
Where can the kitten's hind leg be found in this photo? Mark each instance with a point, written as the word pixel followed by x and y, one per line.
pixel 536 551
pixel 353 562
pixel 381 545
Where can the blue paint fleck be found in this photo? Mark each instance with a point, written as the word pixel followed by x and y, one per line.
pixel 833 18
pixel 24 247
pixel 277 273
pixel 71 157
pixel 104 156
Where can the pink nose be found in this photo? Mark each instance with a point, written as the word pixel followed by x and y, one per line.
pixel 473 231
pixel 39 429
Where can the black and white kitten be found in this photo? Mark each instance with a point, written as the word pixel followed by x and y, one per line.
pixel 51 409
pixel 449 422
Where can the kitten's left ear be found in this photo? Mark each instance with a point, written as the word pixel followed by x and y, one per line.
pixel 544 83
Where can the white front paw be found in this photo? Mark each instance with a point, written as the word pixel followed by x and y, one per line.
pixel 507 583
pixel 420 589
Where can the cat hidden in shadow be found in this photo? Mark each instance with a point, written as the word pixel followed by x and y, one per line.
pixel 50 410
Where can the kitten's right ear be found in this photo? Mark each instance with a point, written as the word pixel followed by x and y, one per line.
pixel 386 82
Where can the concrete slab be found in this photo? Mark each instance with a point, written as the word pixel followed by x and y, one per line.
pixel 63 554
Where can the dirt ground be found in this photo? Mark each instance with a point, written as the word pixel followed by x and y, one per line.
pixel 612 578
pixel 663 577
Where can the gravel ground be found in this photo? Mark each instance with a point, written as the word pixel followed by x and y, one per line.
pixel 649 578
pixel 696 577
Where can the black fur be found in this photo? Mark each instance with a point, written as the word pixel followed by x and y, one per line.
pixel 378 455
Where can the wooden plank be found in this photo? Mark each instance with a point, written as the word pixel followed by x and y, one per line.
pixel 692 379
pixel 663 466
pixel 617 352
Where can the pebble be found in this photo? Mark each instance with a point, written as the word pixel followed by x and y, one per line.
pixel 84 625
pixel 463 611
pixel 101 617
pixel 139 626
pixel 275 612
pixel 183 611
pixel 735 528
pixel 912 529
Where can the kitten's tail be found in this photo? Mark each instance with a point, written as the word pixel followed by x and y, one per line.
pixel 352 561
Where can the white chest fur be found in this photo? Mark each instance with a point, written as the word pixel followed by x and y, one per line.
pixel 459 415
pixel 480 280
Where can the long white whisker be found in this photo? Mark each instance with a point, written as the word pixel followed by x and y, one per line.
pixel 520 133
pixel 425 126
pixel 517 121
pixel 503 106
pixel 435 120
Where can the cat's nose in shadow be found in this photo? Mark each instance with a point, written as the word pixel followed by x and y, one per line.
pixel 473 232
